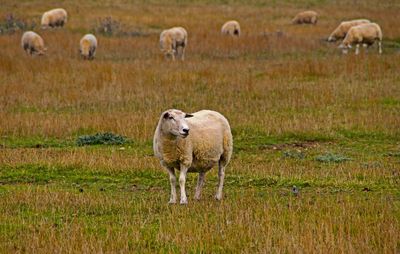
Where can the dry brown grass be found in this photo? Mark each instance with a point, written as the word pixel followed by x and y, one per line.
pixel 273 89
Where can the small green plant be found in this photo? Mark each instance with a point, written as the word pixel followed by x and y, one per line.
pixel 331 157
pixel 393 154
pixel 294 154
pixel 106 138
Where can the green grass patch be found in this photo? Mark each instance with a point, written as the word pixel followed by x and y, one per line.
pixel 83 179
pixel 35 142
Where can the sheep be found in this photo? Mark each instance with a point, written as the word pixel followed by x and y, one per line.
pixel 208 143
pixel 88 46
pixel 231 28
pixel 365 34
pixel 341 31
pixel 171 40
pixel 32 43
pixel 306 17
pixel 54 18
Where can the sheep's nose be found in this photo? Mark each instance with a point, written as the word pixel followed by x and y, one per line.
pixel 185 130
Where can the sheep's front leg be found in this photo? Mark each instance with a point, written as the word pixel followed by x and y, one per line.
pixel 182 181
pixel 200 183
pixel 172 180
pixel 357 48
pixel 221 176
pixel 366 46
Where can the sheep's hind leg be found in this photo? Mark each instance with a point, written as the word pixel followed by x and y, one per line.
pixel 183 53
pixel 380 47
pixel 182 182
pixel 172 180
pixel 200 183
pixel 221 176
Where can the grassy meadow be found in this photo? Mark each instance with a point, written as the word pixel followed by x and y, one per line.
pixel 301 114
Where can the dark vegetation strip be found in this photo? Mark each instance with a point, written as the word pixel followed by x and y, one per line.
pixel 245 138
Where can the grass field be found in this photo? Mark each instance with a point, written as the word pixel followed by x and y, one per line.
pixel 301 114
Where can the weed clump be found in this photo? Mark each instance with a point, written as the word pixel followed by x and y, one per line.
pixel 106 138
pixel 111 27
pixel 108 26
pixel 332 158
pixel 10 24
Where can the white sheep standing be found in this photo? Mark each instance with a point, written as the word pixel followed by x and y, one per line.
pixel 193 143
pixel 340 32
pixel 32 43
pixel 231 28
pixel 173 42
pixel 54 18
pixel 88 46
pixel 365 34
pixel 306 17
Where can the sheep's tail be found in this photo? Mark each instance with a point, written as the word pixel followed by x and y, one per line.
pixel 227 146
pixel 380 36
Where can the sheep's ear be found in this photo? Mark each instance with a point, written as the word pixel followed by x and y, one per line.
pixel 166 115
pixel 188 115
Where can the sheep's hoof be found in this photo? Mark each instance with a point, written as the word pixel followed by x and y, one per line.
pixel 184 202
pixel 172 201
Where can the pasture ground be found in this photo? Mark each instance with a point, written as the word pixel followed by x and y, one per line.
pixel 302 114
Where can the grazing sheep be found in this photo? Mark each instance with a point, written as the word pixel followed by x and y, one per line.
pixel 32 43
pixel 365 34
pixel 88 46
pixel 340 32
pixel 173 42
pixel 306 17
pixel 54 18
pixel 231 28
pixel 208 143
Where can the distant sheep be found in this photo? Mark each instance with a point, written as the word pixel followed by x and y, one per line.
pixel 193 143
pixel 340 32
pixel 173 42
pixel 306 17
pixel 32 43
pixel 54 18
pixel 88 46
pixel 231 28
pixel 365 34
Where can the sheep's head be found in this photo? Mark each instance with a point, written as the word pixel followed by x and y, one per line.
pixel 166 46
pixel 170 53
pixel 344 46
pixel 41 51
pixel 85 49
pixel 167 50
pixel 331 38
pixel 173 122
pixel 45 21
